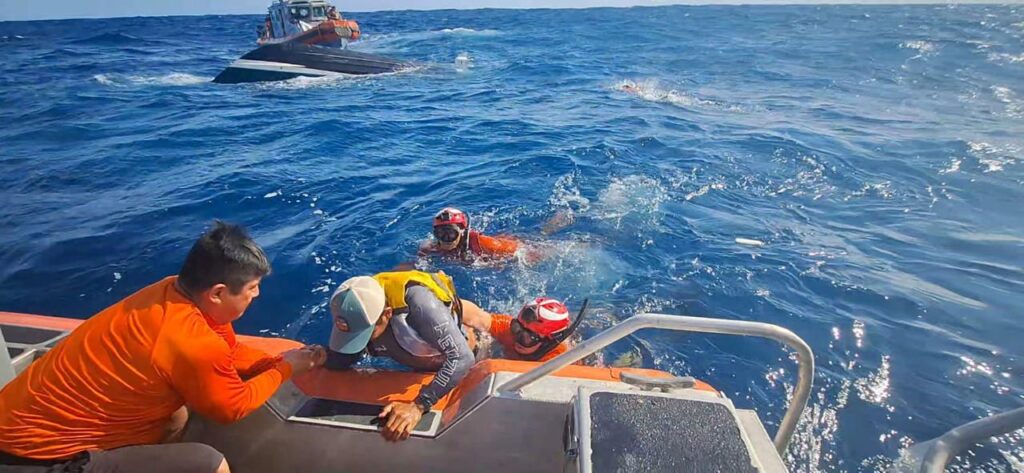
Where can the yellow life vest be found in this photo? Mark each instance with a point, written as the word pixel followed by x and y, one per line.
pixel 395 283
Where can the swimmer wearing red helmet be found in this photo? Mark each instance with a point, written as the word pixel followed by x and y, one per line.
pixel 539 332
pixel 454 237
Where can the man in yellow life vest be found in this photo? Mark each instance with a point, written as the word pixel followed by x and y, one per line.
pixel 413 317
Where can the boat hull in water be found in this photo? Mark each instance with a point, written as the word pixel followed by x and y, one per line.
pixel 274 62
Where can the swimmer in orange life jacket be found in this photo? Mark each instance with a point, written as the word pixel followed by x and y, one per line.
pixel 453 237
pixel 539 333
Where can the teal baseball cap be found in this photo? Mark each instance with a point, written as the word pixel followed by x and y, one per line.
pixel 355 308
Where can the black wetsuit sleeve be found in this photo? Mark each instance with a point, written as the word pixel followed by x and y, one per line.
pixel 340 361
pixel 433 321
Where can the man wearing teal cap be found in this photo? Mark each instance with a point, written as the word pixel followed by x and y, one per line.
pixel 411 317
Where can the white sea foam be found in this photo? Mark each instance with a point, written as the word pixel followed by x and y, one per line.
pixel 1006 58
pixel 173 79
pixel 104 79
pixel 377 41
pixel 651 91
pixel 994 158
pixel 634 195
pixel 565 194
pixel 469 31
pixel 954 166
pixel 333 80
pixel 463 62
pixel 1014 105
pixel 704 190
pixel 922 47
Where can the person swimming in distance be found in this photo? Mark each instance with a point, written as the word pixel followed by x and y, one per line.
pixel 455 238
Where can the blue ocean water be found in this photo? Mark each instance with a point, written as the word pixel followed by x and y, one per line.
pixel 876 151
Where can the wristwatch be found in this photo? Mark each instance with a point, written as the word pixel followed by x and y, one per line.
pixel 423 404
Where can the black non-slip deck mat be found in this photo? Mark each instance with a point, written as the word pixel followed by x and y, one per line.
pixel 27 335
pixel 637 433
pixel 352 413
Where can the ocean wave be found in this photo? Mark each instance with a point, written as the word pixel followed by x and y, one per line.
pixel 373 41
pixel 112 39
pixel 173 79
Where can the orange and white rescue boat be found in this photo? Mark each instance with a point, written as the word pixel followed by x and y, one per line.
pixel 505 415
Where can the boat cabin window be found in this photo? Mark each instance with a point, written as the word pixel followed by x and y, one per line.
pixel 319 13
pixel 299 13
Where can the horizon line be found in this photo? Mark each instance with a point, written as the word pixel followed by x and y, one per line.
pixel 698 3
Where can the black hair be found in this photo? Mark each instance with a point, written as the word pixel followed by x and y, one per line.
pixel 225 254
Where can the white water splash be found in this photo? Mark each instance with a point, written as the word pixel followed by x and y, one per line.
pixel 332 80
pixel 994 158
pixel 954 166
pixel 651 91
pixel 378 41
pixel 463 62
pixel 104 79
pixel 923 48
pixel 1006 58
pixel 880 189
pixel 566 194
pixel 634 195
pixel 174 79
pixel 704 190
pixel 468 31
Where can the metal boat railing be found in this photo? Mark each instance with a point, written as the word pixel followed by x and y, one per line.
pixel 805 358
pixel 944 448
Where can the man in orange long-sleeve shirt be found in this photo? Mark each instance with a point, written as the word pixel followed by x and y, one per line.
pixel 107 397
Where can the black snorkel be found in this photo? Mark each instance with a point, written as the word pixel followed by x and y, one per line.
pixel 547 346
pixel 464 243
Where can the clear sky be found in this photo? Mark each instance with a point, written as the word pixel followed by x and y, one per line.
pixel 49 9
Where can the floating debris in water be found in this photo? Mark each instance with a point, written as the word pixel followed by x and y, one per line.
pixel 749 242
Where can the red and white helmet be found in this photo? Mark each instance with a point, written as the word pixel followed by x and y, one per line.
pixel 451 216
pixel 545 317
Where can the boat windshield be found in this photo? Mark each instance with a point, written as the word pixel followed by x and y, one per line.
pixel 299 13
pixel 319 13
